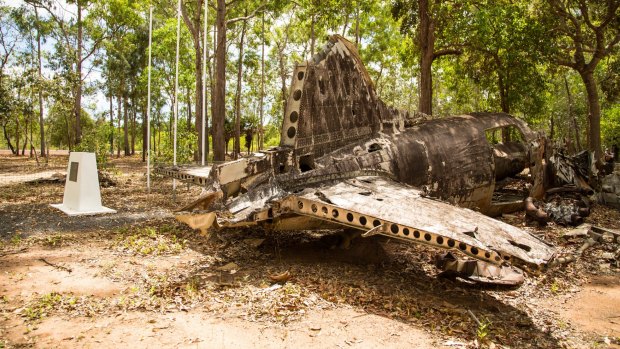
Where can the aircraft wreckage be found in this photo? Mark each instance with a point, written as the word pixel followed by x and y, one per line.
pixel 348 161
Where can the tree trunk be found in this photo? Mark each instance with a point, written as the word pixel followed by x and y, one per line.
pixel 503 94
pixel 17 135
pixel 194 27
pixel 111 123
pixel 19 97
pixel 211 67
pixel 594 115
pixel 261 132
pixel 30 116
pixel 133 126
pixel 118 143
pixel 25 138
pixel 8 139
pixel 125 127
pixel 551 128
pixel 503 101
pixel 41 120
pixel 283 88
pixel 69 139
pixel 78 73
pixel 237 142
pixel 189 109
pixel 427 47
pixel 145 139
pixel 219 115
pixel 572 116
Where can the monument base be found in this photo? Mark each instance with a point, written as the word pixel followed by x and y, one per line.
pixel 72 212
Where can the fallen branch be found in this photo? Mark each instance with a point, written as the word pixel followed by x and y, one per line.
pixel 14 252
pixel 592 240
pixel 474 317
pixel 55 265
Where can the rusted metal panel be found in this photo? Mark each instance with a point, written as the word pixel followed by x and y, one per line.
pixel 196 175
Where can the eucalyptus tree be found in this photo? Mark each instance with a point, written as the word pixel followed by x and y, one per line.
pixel 222 22
pixel 383 50
pixel 192 13
pixel 237 143
pixel 502 55
pixel 78 37
pixel 438 28
pixel 125 47
pixel 43 30
pixel 282 52
pixel 163 64
pixel 9 39
pixel 582 33
pixel 26 78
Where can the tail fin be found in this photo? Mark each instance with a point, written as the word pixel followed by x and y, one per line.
pixel 333 103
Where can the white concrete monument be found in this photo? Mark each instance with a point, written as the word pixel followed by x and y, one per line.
pixel 82 196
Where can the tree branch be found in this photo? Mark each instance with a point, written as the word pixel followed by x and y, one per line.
pixel 250 16
pixel 58 21
pixel 611 13
pixel 612 43
pixel 583 7
pixel 566 63
pixel 96 46
pixel 445 52
pixel 186 19
pixel 8 51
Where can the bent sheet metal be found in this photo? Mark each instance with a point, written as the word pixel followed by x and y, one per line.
pixel 347 160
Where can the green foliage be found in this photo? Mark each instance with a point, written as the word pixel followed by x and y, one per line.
pixel 510 60
pixel 610 79
pixel 504 58
pixel 555 287
pixel 16 239
pixel 610 126
pixel 96 140
pixel 42 306
pixel 272 135
pixel 149 241
pixel 186 141
pixel 62 124
pixel 483 330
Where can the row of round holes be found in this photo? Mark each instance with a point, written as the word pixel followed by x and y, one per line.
pixel 394 228
pixel 292 131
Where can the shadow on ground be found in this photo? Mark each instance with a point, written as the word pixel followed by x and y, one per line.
pixel 376 276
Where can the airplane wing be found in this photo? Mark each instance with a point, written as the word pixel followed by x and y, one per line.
pixel 380 205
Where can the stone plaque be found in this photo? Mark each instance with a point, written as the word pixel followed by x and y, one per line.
pixel 73 171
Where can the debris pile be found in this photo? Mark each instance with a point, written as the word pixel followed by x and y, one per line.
pixel 610 189
pixel 567 202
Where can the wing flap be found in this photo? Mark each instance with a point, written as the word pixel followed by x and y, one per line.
pixel 401 211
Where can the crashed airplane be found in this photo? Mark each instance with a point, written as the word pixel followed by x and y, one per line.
pixel 348 161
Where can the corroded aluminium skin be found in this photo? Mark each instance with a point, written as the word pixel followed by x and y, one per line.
pixel 346 159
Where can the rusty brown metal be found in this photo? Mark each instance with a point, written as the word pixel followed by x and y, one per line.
pixel 478 271
pixel 347 160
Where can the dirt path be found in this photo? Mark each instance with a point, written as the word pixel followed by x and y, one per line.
pixel 141 279
pixel 338 328
pixel 596 307
pixel 98 273
pixel 8 179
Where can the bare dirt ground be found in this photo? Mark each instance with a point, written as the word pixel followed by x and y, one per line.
pixel 140 279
